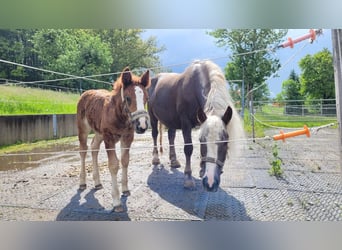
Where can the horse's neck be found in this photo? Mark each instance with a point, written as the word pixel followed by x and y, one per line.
pixel 116 100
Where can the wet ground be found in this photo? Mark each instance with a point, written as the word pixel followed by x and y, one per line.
pixel 42 185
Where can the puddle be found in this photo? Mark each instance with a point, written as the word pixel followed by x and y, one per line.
pixel 22 160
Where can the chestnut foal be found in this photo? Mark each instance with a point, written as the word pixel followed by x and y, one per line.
pixel 113 117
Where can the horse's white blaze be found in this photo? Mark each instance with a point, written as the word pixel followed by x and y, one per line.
pixel 215 123
pixel 210 173
pixel 139 95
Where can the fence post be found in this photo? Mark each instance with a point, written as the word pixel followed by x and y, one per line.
pixel 252 112
pixel 54 125
pixel 337 55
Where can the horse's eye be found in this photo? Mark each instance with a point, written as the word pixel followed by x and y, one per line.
pixel 128 100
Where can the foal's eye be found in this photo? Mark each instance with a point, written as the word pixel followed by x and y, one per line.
pixel 128 100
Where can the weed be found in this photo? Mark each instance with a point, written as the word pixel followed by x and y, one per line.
pixel 276 163
pixel 290 203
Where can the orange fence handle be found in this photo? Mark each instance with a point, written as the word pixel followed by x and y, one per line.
pixel 283 136
pixel 291 42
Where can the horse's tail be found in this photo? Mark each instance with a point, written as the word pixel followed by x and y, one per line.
pixel 161 128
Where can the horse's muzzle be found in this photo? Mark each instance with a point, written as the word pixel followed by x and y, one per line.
pixel 213 187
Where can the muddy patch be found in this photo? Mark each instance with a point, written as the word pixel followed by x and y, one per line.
pixel 21 160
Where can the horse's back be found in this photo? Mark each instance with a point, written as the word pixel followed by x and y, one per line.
pixel 90 108
pixel 176 98
pixel 163 99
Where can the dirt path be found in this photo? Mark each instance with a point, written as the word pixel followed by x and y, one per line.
pixel 310 189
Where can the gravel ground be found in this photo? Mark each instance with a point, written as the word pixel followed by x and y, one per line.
pixel 44 187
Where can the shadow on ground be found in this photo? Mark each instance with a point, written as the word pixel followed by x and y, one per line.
pixel 88 208
pixel 168 184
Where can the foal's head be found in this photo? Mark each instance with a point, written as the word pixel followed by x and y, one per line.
pixel 134 97
pixel 214 145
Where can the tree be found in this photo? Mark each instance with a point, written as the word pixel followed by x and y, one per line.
pixel 11 49
pixel 317 76
pixel 74 52
pixel 251 59
pixel 291 89
pixel 128 49
pixel 79 52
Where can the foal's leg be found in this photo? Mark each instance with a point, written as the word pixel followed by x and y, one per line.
pixel 172 152
pixel 126 142
pixel 188 149
pixel 113 165
pixel 82 137
pixel 95 146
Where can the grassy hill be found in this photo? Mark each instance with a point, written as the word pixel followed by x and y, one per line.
pixel 16 100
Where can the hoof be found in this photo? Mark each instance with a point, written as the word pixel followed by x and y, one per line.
pixel 98 187
pixel 82 187
pixel 126 193
pixel 189 182
pixel 118 209
pixel 175 164
pixel 156 161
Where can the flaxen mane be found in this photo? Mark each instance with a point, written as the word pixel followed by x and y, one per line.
pixel 217 101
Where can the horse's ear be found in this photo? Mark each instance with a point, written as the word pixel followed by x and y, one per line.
pixel 201 116
pixel 126 77
pixel 227 115
pixel 145 79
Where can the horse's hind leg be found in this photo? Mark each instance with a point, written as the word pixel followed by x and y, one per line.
pixel 82 137
pixel 172 152
pixel 95 146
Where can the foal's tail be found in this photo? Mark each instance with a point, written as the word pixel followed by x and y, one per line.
pixel 161 128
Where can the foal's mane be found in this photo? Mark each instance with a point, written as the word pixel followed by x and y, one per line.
pixel 118 84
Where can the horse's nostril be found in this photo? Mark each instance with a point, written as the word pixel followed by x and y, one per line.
pixel 209 188
pixel 139 130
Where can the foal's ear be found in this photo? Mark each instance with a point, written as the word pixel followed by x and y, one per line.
pixel 126 77
pixel 145 79
pixel 201 116
pixel 227 115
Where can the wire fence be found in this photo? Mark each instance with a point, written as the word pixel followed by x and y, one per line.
pixel 295 113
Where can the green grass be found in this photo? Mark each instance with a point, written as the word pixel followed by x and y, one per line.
pixel 258 128
pixel 274 116
pixel 20 101
pixel 270 116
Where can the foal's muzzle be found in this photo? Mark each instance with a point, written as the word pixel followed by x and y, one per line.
pixel 141 121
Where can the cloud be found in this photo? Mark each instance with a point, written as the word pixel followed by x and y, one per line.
pixel 185 45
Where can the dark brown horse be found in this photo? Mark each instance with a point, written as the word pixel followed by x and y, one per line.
pixel 113 116
pixel 198 96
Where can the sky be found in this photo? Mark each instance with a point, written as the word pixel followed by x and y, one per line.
pixel 185 45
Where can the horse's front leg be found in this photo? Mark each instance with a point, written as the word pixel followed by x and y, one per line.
pixel 95 147
pixel 154 125
pixel 189 181
pixel 113 165
pixel 172 152
pixel 126 142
